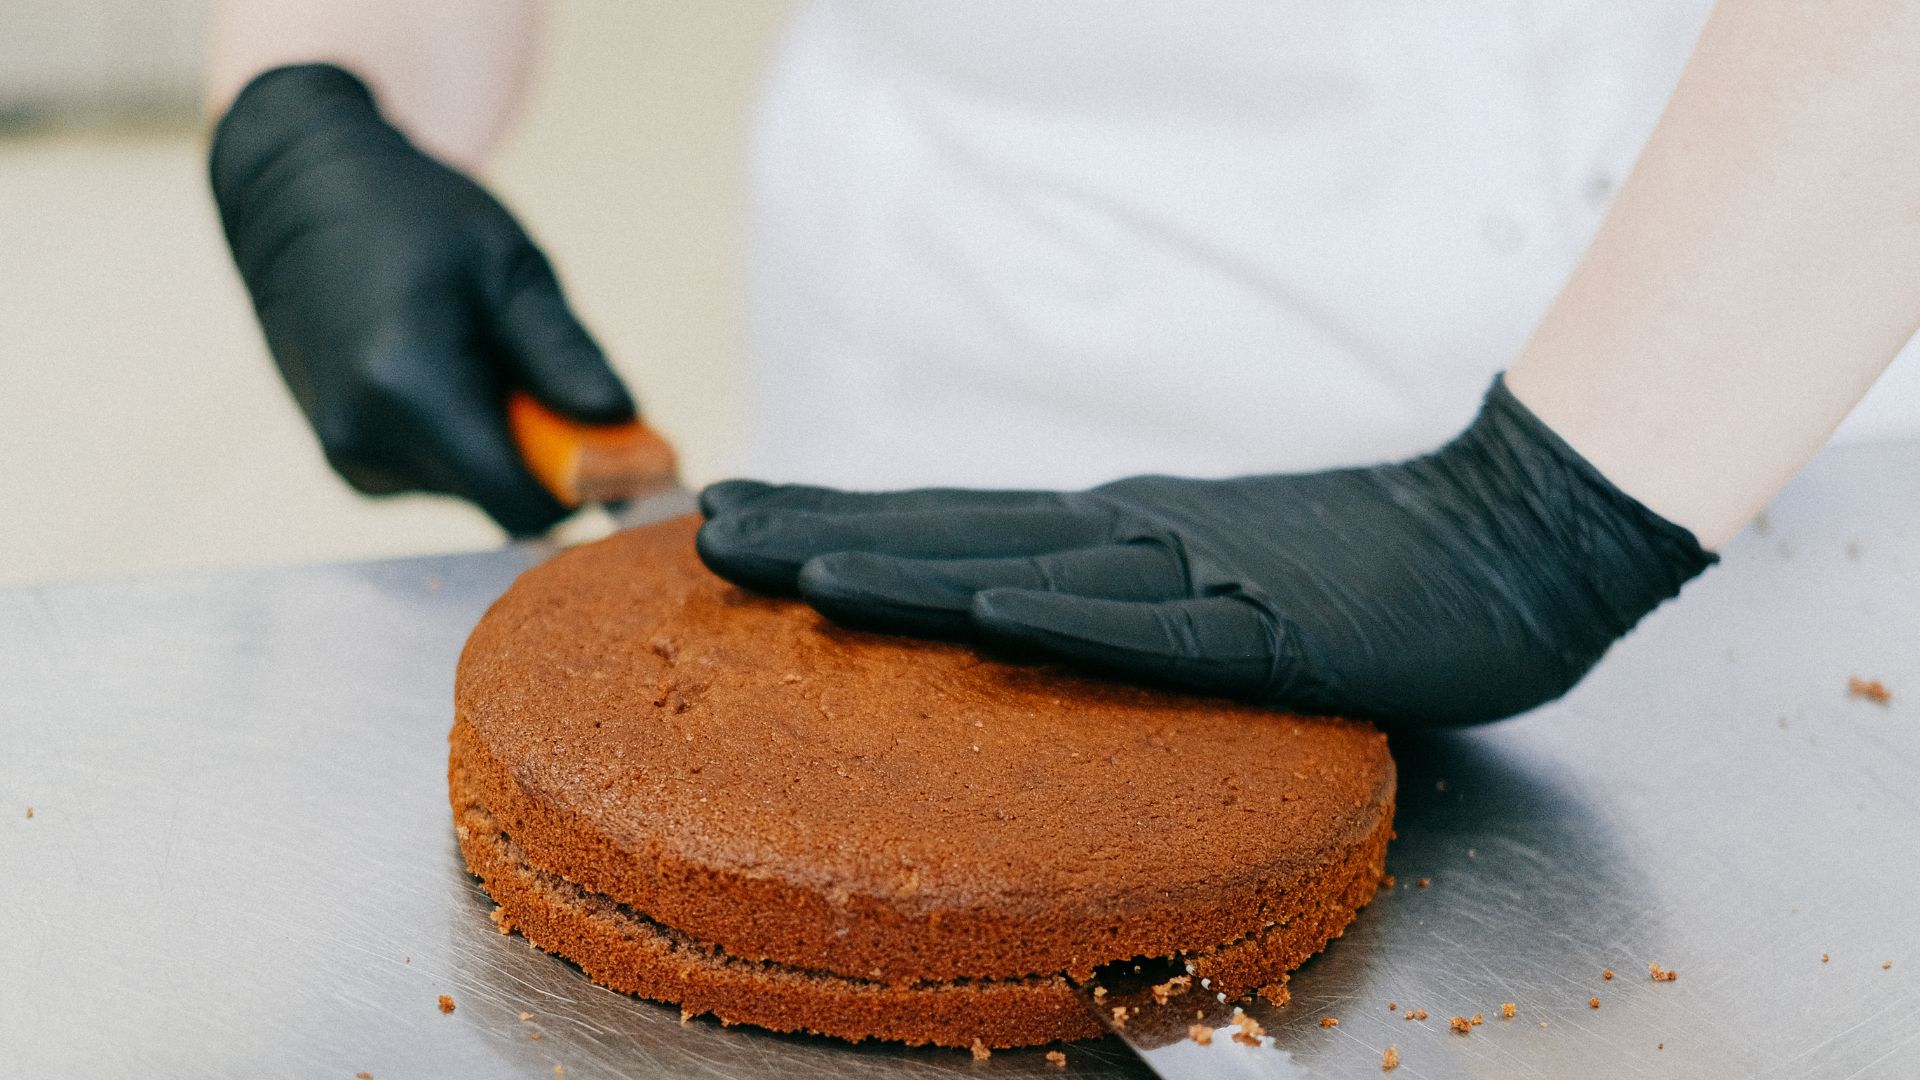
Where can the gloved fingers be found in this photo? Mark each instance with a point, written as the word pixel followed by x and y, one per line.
pixel 469 452
pixel 932 597
pixel 764 549
pixel 1214 644
pixel 731 496
pixel 546 350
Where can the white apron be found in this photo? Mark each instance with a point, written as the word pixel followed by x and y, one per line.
pixel 1017 242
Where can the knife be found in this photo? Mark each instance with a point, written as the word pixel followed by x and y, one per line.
pixel 1180 1027
pixel 627 467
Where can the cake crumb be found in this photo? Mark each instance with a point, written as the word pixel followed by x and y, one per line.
pixel 559 1070
pixel 1200 1033
pixel 1460 1025
pixel 29 813
pixel 1387 881
pixel 446 1003
pixel 1329 1022
pixel 1885 965
pixel 1478 1019
pixel 535 1036
pixel 1439 785
pixel 1659 1046
pixel 1176 985
pixel 1868 689
pixel 1824 958
pixel 1415 1014
pixel 363 1076
pixel 1393 1006
pixel 1120 1016
pixel 1507 1009
pixel 1661 974
pixel 1607 974
pixel 525 1016
pixel 1389 1059
pixel 1099 992
pixel 980 1051
pixel 1056 1059
pixel 1250 1029
pixel 1593 1003
pixel 1424 882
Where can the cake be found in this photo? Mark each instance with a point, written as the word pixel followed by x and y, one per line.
pixel 721 800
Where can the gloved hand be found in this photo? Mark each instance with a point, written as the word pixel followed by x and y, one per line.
pixel 1464 586
pixel 400 300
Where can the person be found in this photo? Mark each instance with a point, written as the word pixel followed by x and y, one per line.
pixel 1171 320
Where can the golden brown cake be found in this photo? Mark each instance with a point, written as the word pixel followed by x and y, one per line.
pixel 719 799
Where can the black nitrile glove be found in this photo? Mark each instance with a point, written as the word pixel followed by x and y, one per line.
pixel 400 300
pixel 1464 586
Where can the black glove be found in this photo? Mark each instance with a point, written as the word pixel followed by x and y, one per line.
pixel 401 301
pixel 1464 586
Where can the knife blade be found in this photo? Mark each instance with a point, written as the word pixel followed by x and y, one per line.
pixel 1163 1012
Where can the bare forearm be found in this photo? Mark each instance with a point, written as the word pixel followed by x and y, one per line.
pixel 1759 269
pixel 448 72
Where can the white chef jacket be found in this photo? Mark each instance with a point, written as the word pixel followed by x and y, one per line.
pixel 1032 242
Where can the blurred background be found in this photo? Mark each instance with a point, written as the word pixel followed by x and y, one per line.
pixel 142 424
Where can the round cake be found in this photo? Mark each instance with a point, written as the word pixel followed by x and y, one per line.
pixel 719 799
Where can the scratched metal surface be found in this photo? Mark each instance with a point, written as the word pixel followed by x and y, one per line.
pixel 240 863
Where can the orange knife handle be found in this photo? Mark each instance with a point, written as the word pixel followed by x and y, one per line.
pixel 583 463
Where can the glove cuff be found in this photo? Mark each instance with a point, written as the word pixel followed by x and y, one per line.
pixel 1631 558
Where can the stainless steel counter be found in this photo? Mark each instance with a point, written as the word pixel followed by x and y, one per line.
pixel 239 861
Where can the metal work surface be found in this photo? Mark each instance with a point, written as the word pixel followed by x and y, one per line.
pixel 240 862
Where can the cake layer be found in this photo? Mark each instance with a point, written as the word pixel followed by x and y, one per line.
pixel 628 951
pixel 886 810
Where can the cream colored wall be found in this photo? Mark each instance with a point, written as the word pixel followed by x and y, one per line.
pixel 141 425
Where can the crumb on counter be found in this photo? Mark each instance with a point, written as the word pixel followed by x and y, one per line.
pixel 1176 985
pixel 1885 965
pixel 1329 1022
pixel 363 1076
pixel 1659 1046
pixel 1415 1014
pixel 446 1003
pixel 1868 689
pixel 1387 881
pixel 979 1049
pixel 1393 1006
pixel 1607 974
pixel 1661 974
pixel 525 1016
pixel 1593 1003
pixel 29 813
pixel 1507 1009
pixel 1250 1029
pixel 535 1036
pixel 1424 882
pixel 1200 1033
pixel 1478 1019
pixel 1460 1025
pixel 1120 1015
pixel 559 1070
pixel 1389 1059
pixel 1056 1059
pixel 1824 958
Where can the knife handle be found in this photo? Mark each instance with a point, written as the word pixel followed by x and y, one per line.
pixel 582 463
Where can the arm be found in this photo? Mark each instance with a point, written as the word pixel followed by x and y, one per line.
pixel 448 73
pixel 1759 269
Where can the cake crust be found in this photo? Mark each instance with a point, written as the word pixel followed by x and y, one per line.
pixel 716 798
